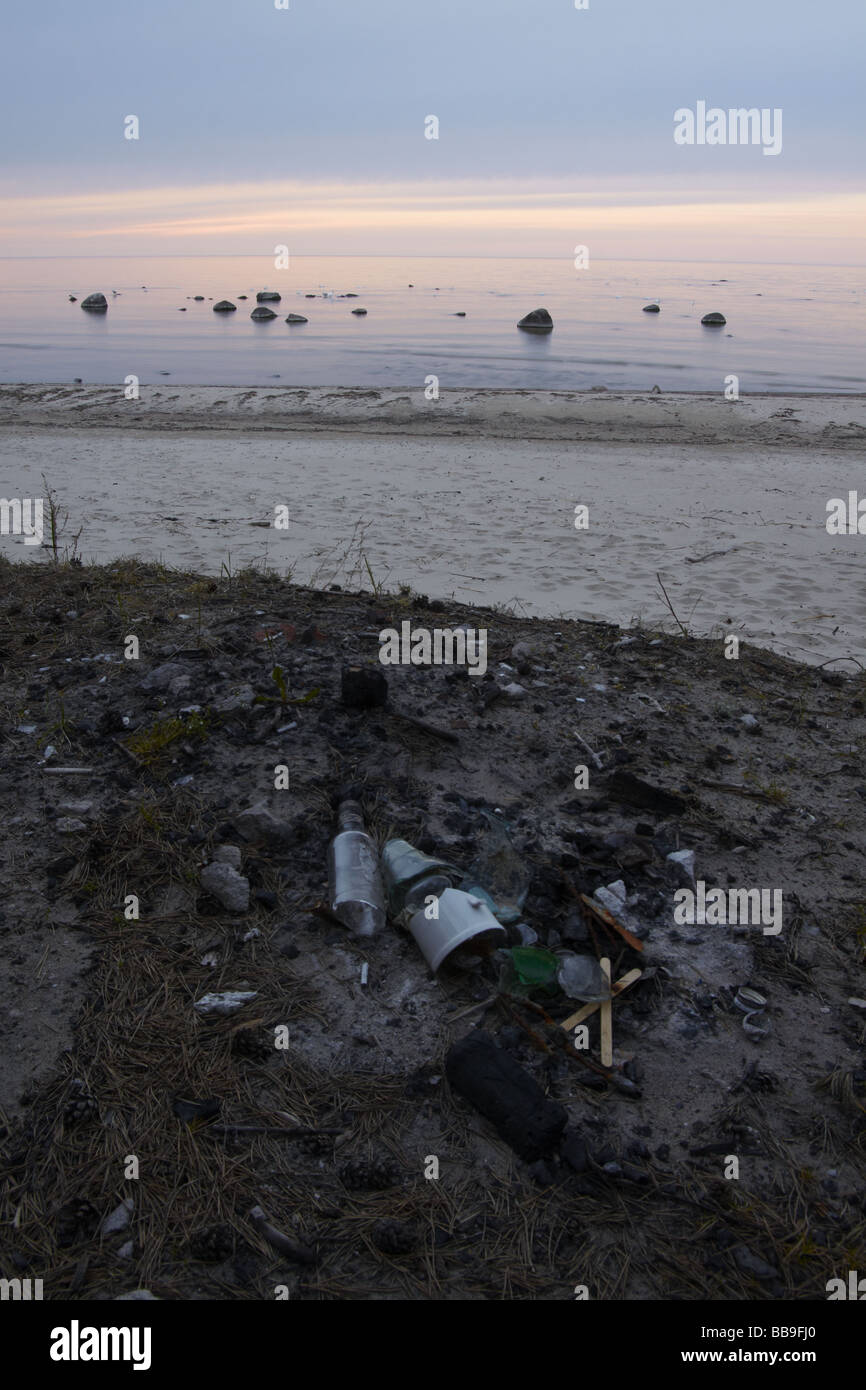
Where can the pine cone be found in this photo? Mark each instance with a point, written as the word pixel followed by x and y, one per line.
pixel 76 1220
pixel 393 1237
pixel 253 1043
pixel 80 1106
pixel 213 1245
pixel 374 1174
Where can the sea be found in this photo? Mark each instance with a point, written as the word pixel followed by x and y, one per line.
pixel 790 328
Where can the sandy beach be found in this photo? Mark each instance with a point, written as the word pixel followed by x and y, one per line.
pixel 473 496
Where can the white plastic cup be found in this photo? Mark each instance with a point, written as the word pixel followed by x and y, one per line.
pixel 461 917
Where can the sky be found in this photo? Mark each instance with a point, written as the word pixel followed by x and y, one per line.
pixel 307 126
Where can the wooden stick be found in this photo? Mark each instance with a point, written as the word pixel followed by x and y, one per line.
pixel 610 921
pixel 589 1009
pixel 737 791
pixel 422 724
pixel 591 751
pixel 606 1019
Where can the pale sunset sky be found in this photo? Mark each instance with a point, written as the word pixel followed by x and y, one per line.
pixel 306 126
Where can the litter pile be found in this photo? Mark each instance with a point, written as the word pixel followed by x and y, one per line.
pixel 323 980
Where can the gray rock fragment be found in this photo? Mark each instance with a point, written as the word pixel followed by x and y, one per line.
pixel 229 887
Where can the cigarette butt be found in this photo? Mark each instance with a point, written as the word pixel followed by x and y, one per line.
pixel 364 968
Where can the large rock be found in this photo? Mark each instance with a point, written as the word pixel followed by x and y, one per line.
pixel 268 297
pixel 262 313
pixel 652 309
pixel 225 306
pixel 229 887
pixel 539 321
pixel 258 823
pixel 714 320
pixel 95 301
pixel 297 318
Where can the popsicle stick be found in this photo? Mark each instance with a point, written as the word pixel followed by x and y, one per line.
pixel 621 984
pixel 606 1019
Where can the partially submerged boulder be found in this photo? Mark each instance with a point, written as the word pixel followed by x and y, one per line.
pixel 296 318
pixel 262 313
pixel 538 321
pixel 97 302
pixel 714 320
pixel 268 297
pixel 225 306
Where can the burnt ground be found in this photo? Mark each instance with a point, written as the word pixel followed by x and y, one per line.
pixel 100 1042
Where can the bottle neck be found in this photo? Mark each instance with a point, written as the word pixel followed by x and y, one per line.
pixel 350 816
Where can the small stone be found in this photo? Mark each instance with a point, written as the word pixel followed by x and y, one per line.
pixel 223 1004
pixel 70 825
pixel 137 1296
pixel 229 887
pixel 241 698
pixel 258 823
pixel 297 318
pixel 683 861
pixel 224 306
pixel 162 677
pixel 119 1219
pixel 227 854
pixel 95 301
pixel 749 721
pixel 714 320
pixel 652 309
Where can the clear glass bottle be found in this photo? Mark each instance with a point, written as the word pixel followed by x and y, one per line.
pixel 356 893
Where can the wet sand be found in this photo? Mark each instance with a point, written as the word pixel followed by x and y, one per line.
pixel 473 495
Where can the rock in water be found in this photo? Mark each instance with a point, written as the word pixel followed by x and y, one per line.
pixel 225 306
pixel 505 1094
pixel 95 301
pixel 262 313
pixel 359 312
pixel 268 297
pixel 714 319
pixel 297 318
pixel 652 309
pixel 539 321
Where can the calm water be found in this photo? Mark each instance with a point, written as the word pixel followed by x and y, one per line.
pixel 790 328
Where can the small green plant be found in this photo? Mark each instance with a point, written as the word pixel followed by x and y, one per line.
pixel 62 726
pixel 148 745
pixel 278 676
